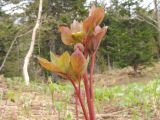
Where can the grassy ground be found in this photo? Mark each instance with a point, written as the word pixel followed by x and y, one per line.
pixel 135 101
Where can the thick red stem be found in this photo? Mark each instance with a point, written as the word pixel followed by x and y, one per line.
pixel 76 99
pixel 91 86
pixel 87 92
pixel 76 106
pixel 80 99
pixel 87 89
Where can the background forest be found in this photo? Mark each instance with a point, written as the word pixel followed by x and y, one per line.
pixel 132 39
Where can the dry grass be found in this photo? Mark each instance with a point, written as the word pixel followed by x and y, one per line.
pixel 126 75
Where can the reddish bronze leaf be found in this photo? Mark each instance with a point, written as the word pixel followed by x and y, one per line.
pixel 66 35
pixel 78 62
pixel 95 17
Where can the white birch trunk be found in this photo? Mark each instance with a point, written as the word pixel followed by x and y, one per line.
pixel 29 54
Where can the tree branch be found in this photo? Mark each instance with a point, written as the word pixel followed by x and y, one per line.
pixel 142 19
pixel 10 48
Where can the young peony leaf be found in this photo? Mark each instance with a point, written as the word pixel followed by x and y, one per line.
pixel 97 13
pixel 64 61
pixel 93 41
pixel 66 35
pixel 88 25
pixel 95 17
pixel 76 27
pixel 72 35
pixel 98 35
pixel 49 66
pixel 78 62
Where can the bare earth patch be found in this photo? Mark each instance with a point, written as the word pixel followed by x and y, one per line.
pixel 34 104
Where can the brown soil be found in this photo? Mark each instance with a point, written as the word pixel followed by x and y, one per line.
pixel 34 105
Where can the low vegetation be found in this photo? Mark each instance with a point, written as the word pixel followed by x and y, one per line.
pixel 134 101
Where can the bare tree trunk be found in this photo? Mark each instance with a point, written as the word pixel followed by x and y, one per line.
pixel 29 54
pixel 157 16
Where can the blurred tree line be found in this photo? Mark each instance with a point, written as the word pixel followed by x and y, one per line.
pixel 132 39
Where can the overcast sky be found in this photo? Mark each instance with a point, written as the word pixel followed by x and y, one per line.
pixel 145 3
pixel 10 8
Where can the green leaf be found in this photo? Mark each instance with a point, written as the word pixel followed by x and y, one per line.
pixel 64 61
pixel 69 116
pixel 52 87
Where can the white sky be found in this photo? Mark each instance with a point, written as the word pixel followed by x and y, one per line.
pixel 10 7
pixel 145 3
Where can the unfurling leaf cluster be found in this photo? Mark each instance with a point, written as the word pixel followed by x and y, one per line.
pixel 86 37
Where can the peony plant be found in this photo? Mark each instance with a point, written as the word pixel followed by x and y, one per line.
pixel 86 37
